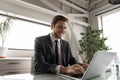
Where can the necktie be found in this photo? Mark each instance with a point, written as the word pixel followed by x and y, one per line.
pixel 56 52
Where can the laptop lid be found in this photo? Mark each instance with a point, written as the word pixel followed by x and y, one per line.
pixel 99 64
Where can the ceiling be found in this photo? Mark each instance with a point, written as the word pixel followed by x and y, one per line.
pixel 84 4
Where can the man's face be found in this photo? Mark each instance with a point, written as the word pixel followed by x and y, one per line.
pixel 59 28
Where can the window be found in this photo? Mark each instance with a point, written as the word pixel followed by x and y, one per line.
pixel 23 33
pixel 111 30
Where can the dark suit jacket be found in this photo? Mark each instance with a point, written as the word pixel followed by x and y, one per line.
pixel 45 58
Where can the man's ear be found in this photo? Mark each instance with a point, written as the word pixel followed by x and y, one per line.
pixel 52 26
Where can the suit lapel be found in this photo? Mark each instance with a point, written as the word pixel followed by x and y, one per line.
pixel 51 48
pixel 63 52
pixel 49 40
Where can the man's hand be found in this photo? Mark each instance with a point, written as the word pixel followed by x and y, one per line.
pixel 66 70
pixel 85 66
pixel 78 69
pixel 74 69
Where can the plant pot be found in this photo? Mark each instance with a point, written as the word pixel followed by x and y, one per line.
pixel 3 52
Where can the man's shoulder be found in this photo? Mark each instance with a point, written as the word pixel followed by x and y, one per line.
pixel 65 42
pixel 42 37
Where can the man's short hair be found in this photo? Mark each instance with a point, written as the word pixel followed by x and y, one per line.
pixel 58 18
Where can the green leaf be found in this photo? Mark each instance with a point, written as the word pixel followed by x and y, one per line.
pixel 92 42
pixel 4 28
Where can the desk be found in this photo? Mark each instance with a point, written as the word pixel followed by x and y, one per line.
pixel 14 65
pixel 28 76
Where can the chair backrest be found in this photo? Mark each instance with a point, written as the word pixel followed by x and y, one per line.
pixel 32 65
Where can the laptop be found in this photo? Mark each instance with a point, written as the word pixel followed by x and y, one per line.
pixel 97 66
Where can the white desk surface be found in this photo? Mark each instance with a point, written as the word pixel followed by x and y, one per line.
pixel 28 76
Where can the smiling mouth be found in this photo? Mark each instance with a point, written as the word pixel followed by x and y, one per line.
pixel 59 35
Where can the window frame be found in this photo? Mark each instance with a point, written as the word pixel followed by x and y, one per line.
pixel 28 20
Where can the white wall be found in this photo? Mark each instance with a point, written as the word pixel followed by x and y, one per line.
pixel 79 29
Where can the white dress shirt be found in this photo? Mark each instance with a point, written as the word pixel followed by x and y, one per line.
pixel 59 51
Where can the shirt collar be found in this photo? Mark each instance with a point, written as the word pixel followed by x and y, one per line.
pixel 53 38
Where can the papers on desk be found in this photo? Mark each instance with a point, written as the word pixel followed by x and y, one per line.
pixel 2 78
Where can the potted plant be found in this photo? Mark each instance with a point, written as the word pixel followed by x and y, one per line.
pixel 92 42
pixel 4 28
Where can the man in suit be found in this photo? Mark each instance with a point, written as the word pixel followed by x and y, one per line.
pixel 53 55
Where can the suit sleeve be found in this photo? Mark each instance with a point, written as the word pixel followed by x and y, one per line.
pixel 72 59
pixel 41 66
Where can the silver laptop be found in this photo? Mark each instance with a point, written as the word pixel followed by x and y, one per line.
pixel 97 66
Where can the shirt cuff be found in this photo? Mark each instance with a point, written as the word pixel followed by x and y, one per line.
pixel 58 69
